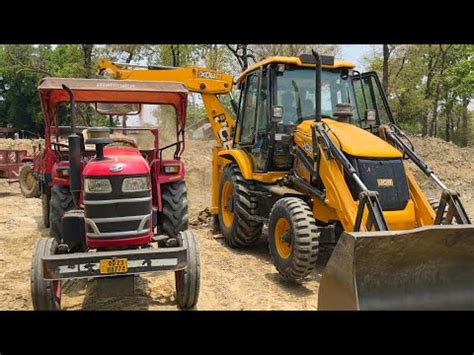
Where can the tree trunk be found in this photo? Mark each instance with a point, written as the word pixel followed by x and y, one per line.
pixel 87 50
pixel 465 123
pixel 175 54
pixel 386 55
pixel 434 119
pixel 448 124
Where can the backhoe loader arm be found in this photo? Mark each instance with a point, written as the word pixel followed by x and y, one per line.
pixel 207 82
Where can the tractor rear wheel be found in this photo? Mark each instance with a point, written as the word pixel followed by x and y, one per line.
pixel 61 201
pixel 174 216
pixel 45 205
pixel 28 184
pixel 188 280
pixel 45 294
pixel 235 205
pixel 293 238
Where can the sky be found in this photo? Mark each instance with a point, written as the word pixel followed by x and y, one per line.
pixel 355 53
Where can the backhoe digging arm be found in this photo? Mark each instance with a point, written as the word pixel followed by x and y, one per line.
pixel 207 82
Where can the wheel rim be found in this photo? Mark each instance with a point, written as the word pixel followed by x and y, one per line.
pixel 226 203
pixel 282 240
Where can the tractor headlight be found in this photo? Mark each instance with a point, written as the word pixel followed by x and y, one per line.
pixel 97 186
pixel 136 184
pixel 171 169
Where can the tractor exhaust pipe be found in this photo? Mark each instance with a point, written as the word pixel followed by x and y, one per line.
pixel 75 142
pixel 317 57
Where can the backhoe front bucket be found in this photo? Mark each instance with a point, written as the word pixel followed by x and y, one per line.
pixel 427 268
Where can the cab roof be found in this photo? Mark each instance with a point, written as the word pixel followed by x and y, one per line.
pixel 304 60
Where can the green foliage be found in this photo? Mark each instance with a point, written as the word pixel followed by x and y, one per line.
pixel 430 88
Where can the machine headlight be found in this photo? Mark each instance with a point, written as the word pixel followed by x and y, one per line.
pixel 97 186
pixel 136 184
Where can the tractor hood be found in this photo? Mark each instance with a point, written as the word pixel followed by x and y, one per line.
pixel 121 161
pixel 352 140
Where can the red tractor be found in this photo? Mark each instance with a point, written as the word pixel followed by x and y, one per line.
pixel 115 205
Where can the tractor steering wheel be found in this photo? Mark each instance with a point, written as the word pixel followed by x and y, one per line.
pixel 128 141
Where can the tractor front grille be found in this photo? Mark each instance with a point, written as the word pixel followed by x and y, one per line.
pixel 117 214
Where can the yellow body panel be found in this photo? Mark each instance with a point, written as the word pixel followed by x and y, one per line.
pixel 356 141
pixel 425 215
pixel 294 61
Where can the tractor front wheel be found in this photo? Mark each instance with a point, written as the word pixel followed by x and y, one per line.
pixel 45 294
pixel 188 280
pixel 293 238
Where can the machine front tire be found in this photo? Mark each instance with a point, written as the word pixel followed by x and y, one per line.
pixel 45 294
pixel 174 216
pixel 235 205
pixel 188 280
pixel 293 238
pixel 435 205
pixel 61 201
pixel 28 184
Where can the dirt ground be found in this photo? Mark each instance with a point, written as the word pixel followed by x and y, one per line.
pixel 230 279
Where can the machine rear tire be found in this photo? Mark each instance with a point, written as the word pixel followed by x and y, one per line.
pixel 61 201
pixel 28 184
pixel 237 228
pixel 293 238
pixel 188 280
pixel 174 216
pixel 45 294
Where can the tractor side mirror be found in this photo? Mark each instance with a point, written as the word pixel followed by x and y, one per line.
pixel 370 116
pixel 277 113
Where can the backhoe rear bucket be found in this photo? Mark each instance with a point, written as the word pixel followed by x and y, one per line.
pixel 427 268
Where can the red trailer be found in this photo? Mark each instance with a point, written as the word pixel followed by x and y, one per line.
pixel 11 161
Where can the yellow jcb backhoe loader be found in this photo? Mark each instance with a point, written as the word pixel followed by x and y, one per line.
pixel 314 152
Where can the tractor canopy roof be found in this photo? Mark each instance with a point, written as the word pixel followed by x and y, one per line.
pixel 52 93
pixel 102 90
pixel 304 60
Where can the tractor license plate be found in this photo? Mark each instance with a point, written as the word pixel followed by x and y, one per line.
pixel 110 266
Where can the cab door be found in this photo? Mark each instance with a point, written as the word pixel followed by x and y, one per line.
pixel 252 131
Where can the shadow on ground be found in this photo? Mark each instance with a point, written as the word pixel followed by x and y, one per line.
pixel 7 193
pixel 140 301
pixel 260 250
